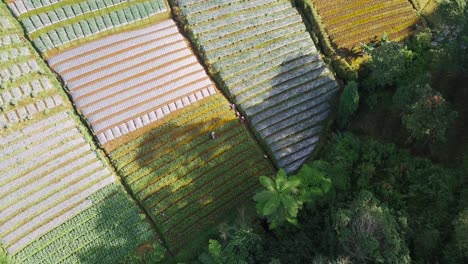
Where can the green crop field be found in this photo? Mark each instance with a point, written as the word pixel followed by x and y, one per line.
pixel 349 23
pixel 58 25
pixel 265 60
pixel 60 202
pixel 185 179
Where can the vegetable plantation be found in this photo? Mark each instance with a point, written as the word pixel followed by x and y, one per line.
pixel 51 24
pixel 60 201
pixel 267 63
pixel 349 23
pixel 25 89
pixel 152 106
pixel 187 180
pixel 124 82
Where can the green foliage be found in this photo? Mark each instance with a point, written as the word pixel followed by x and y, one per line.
pixel 215 250
pixel 315 184
pixel 349 103
pixel 369 232
pixel 407 94
pixel 155 254
pixel 421 42
pixel 284 195
pixel 239 244
pixel 343 69
pixel 4 258
pixel 388 64
pixel 281 199
pixel 461 234
pixel 429 118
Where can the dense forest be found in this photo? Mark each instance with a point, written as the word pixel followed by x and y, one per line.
pixel 389 183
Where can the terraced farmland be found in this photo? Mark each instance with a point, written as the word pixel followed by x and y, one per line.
pixel 59 199
pixel 185 179
pixel 266 61
pixel 124 82
pixel 51 24
pixel 152 106
pixel 349 23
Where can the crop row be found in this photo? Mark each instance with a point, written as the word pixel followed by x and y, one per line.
pixel 170 132
pixel 113 220
pixel 59 201
pixel 349 24
pixel 68 187
pixel 209 187
pixel 177 164
pixel 147 77
pixel 138 173
pixel 396 27
pixel 173 169
pixel 267 62
pixel 27 87
pixel 59 24
pixel 212 213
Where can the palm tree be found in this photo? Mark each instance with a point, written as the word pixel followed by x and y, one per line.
pixel 281 199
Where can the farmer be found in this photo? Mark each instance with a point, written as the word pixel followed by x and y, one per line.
pixel 212 135
pixel 233 106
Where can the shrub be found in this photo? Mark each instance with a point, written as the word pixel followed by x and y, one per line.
pixel 349 103
pixel 388 64
pixel 369 232
pixel 429 118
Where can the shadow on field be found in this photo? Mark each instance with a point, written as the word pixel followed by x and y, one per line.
pixel 291 115
pixel 117 230
pixel 187 180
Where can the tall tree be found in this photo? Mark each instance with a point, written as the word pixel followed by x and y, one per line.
pixel 369 232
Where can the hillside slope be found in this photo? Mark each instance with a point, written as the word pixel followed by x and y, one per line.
pixel 267 63
pixel 60 201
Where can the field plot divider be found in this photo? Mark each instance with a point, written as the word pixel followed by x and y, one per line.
pixel 178 18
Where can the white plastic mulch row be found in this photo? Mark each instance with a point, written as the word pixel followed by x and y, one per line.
pixel 142 105
pixel 94 61
pixel 111 42
pixel 17 70
pixel 107 81
pixel 86 97
pixel 42 19
pixel 153 116
pixel 33 128
pixel 47 172
pixel 27 142
pixel 169 84
pixel 134 89
pixel 123 82
pixel 121 63
pixel 28 111
pixel 61 213
pixel 29 193
pixel 10 39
